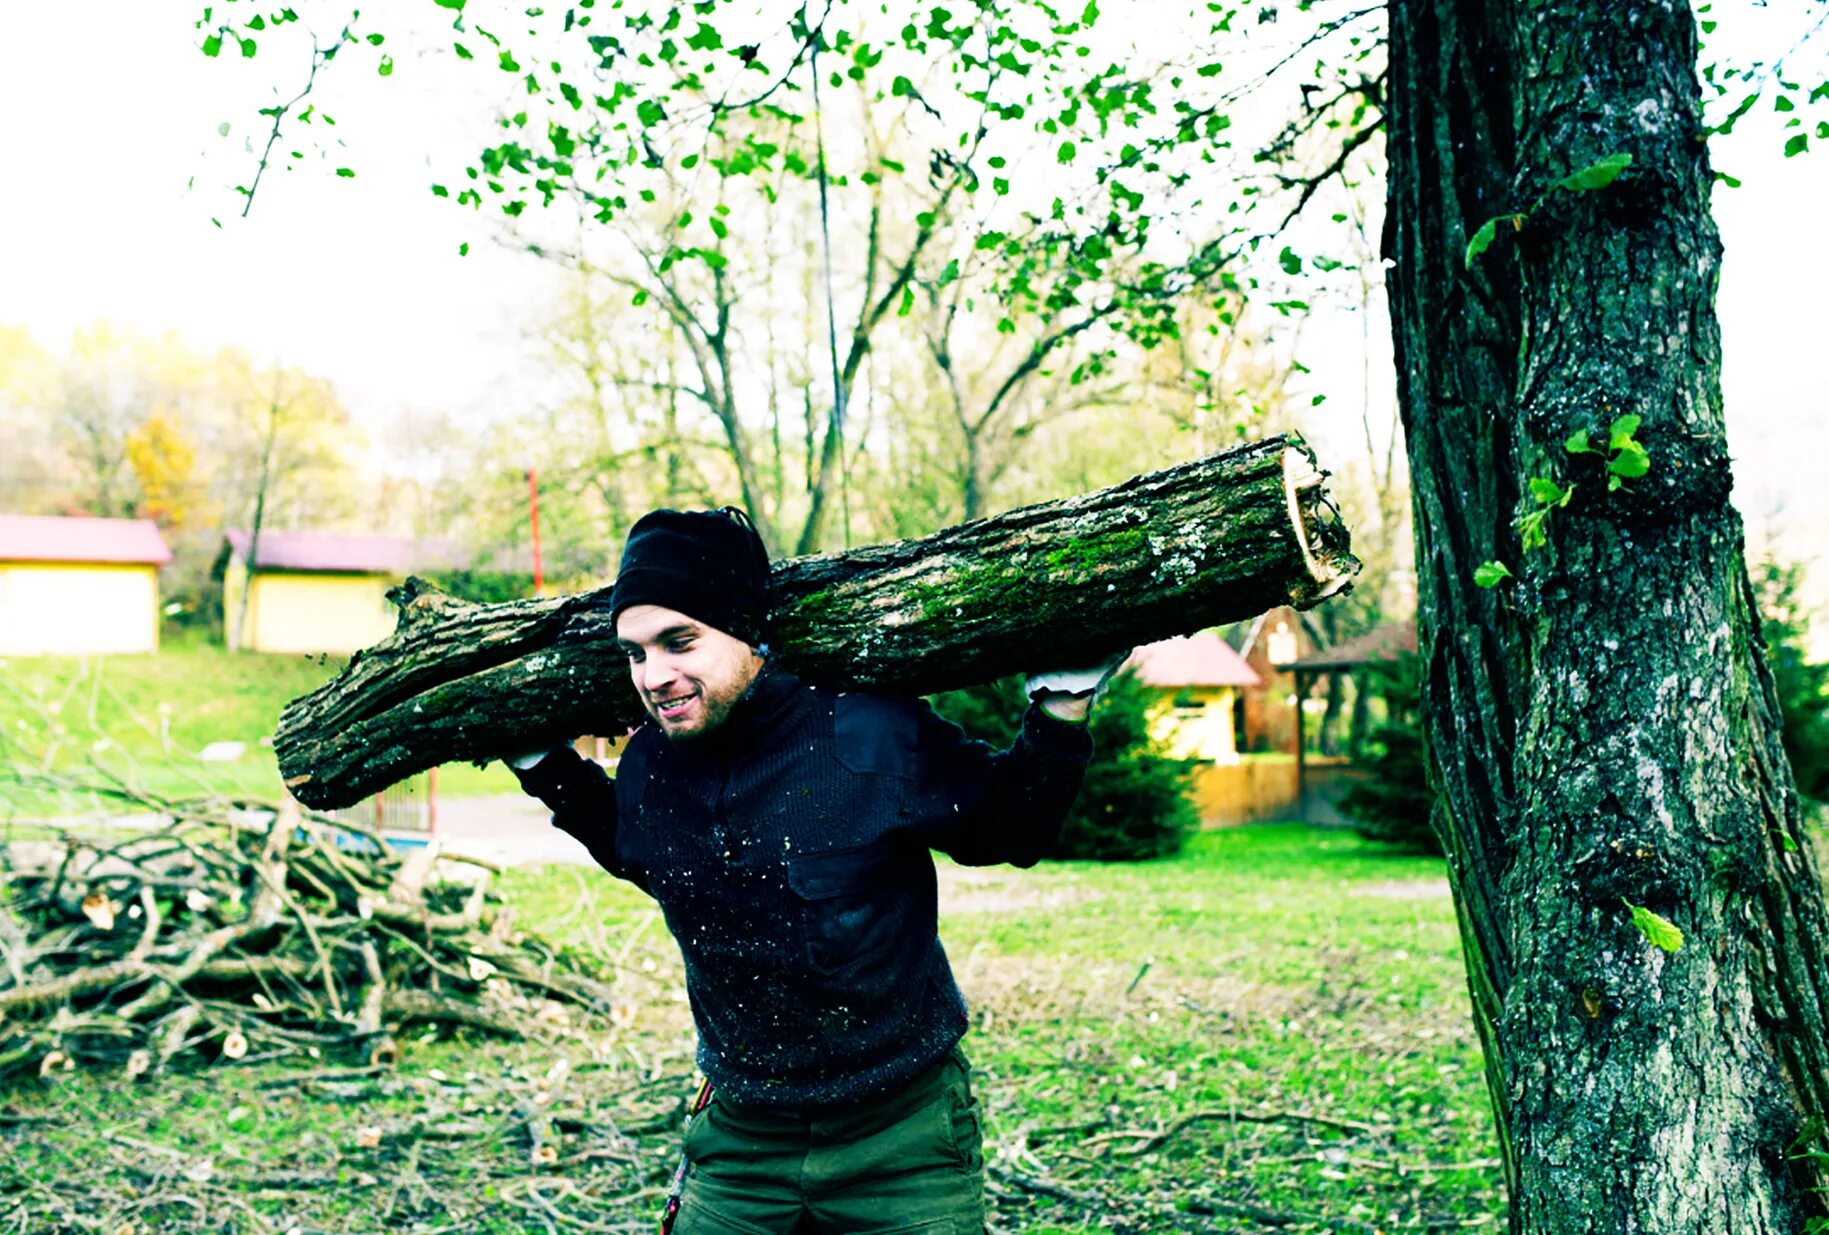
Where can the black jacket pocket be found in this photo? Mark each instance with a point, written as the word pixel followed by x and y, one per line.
pixel 852 900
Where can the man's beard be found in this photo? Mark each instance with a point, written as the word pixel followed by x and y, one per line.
pixel 716 708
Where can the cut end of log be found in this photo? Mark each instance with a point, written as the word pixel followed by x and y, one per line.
pixel 1318 527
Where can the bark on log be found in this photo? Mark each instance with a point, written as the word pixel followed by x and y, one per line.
pixel 1064 582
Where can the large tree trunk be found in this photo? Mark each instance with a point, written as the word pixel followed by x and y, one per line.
pixel 1603 726
pixel 1060 583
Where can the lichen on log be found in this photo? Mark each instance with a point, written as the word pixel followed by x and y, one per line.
pixel 1167 553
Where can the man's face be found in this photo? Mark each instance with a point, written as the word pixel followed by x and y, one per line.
pixel 689 675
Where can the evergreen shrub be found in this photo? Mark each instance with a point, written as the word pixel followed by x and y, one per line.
pixel 1393 801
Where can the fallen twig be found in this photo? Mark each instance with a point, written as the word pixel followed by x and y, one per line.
pixel 1155 1140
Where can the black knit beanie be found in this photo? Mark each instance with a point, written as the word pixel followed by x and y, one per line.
pixel 707 564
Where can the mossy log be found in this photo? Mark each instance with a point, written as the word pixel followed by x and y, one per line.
pixel 1058 583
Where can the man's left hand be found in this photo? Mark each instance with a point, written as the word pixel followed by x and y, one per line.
pixel 1068 694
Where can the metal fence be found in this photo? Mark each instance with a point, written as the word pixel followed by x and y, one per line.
pixel 409 806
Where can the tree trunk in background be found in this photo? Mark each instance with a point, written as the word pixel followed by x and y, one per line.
pixel 238 631
pixel 1603 726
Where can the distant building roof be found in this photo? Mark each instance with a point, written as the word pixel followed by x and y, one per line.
pixel 1380 643
pixel 57 538
pixel 333 551
pixel 1204 659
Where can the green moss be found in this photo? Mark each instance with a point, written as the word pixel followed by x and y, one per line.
pixel 980 591
pixel 817 605
pixel 1089 555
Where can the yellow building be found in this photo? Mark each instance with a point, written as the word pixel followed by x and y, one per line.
pixel 79 586
pixel 313 591
pixel 1197 680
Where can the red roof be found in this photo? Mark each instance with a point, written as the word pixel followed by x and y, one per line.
pixel 56 538
pixel 1192 660
pixel 1379 644
pixel 331 551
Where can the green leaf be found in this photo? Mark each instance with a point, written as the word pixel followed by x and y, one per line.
pixel 375 40
pixel 1489 231
pixel 1530 530
pixel 450 4
pixel 212 45
pixel 1549 492
pixel 1578 443
pixel 650 113
pixel 901 86
pixel 705 38
pixel 222 130
pixel 1289 261
pixel 463 250
pixel 1597 175
pixel 907 305
pixel 718 227
pixel 348 173
pixel 248 48
pixel 1490 574
pixel 1659 930
pixel 508 62
pixel 1797 145
pixel 1066 152
pixel 386 68
pixel 1622 429
pixel 640 297
pixel 1630 463
pixel 463 53
pixel 1790 844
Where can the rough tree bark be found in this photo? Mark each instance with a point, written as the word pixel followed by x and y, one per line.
pixel 1059 583
pixel 1603 725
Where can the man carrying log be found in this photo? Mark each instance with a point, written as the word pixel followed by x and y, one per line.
pixel 786 833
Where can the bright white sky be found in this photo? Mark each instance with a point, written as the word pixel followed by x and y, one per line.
pixel 360 280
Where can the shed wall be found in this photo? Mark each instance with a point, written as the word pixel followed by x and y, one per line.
pixel 309 613
pixel 77 609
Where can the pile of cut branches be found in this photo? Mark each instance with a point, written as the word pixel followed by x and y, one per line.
pixel 249 930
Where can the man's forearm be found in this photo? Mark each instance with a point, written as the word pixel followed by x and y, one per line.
pixel 1029 790
pixel 582 798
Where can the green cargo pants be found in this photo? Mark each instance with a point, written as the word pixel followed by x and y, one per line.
pixel 911 1163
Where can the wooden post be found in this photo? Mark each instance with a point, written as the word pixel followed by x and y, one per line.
pixel 1301 750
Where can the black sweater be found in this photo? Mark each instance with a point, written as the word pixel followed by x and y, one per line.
pixel 789 851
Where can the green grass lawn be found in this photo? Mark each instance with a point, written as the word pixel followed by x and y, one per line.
pixel 147 718
pixel 1267 1032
